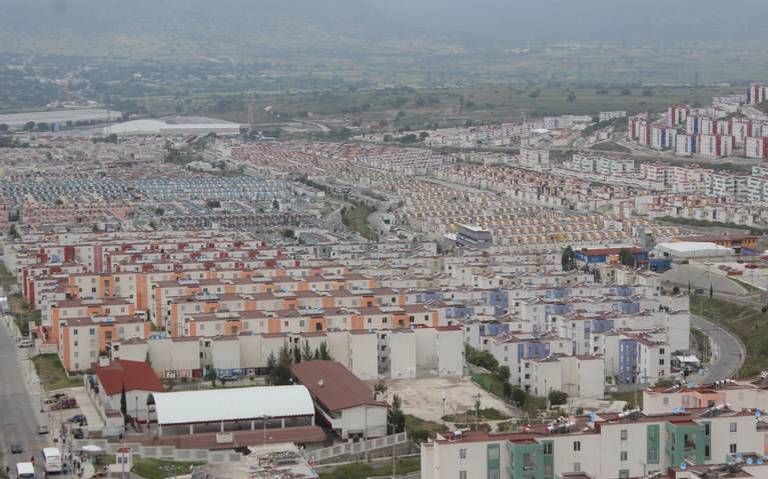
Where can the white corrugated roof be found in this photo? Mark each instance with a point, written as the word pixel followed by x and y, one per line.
pixel 689 246
pixel 232 404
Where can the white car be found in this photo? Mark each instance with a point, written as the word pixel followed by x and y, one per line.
pixel 26 343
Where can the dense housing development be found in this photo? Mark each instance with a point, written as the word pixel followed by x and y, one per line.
pixel 500 300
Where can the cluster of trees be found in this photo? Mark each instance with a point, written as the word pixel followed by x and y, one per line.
pixel 513 394
pixel 279 368
pixel 568 259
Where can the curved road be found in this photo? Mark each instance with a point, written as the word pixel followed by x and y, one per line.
pixel 728 352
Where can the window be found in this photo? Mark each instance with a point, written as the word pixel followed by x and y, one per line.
pixel 92 331
pixel 661 350
pixel 732 448
pixel 74 331
pixel 548 470
pixel 665 401
pixel 661 362
pixel 623 473
pixel 576 467
pixel 493 453
pixel 548 446
pixel 462 474
pixel 623 434
pixel 577 445
pixel 623 455
pixel 462 453
pixel 732 427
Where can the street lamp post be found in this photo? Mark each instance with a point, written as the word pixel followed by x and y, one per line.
pixel 264 419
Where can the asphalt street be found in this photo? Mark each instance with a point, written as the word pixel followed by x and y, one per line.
pixel 18 420
pixel 728 352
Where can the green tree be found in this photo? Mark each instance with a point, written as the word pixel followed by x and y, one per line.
pixel 296 354
pixel 211 375
pixel 626 258
pixel 506 391
pixel 519 397
pixel 503 373
pixel 3 127
pixel 271 362
pixel 306 351
pixel 124 405
pixel 43 126
pixel 29 126
pixel 325 354
pixel 395 416
pixel 281 373
pixel 482 359
pixel 557 398
pixel 568 259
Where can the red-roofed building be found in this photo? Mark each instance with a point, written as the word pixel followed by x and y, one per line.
pixel 344 402
pixel 135 377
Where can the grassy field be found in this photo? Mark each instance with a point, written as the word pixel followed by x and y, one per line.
pixel 747 286
pixel 489 382
pixel 356 219
pixel 365 470
pixel 420 430
pixel 746 323
pixel 156 468
pixel 51 372
pixel 704 224
pixel 486 414
pixel 404 107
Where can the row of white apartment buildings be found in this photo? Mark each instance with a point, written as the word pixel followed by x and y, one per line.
pixel 369 354
pixel 601 446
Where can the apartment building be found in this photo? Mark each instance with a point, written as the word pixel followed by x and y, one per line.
pixel 81 340
pixel 598 446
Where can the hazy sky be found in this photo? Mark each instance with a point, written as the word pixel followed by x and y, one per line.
pixel 480 23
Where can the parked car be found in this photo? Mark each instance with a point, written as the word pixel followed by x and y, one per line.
pixel 77 433
pixel 78 418
pixel 26 343
pixel 42 429
pixel 16 448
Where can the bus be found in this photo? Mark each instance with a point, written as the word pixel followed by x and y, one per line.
pixel 52 460
pixel 25 470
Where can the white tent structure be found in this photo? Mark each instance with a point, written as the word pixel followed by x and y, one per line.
pixel 232 405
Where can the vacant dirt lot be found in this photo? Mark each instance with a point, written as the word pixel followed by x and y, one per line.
pixel 424 397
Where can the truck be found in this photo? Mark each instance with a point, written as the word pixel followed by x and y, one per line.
pixel 52 460
pixel 25 470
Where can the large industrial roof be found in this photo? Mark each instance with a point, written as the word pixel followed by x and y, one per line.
pixel 232 404
pixel 691 246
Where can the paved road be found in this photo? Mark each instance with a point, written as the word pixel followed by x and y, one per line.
pixel 18 420
pixel 728 352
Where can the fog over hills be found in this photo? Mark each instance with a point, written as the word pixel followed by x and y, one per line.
pixel 354 27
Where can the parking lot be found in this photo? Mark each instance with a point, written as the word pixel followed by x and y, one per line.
pixel 423 398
